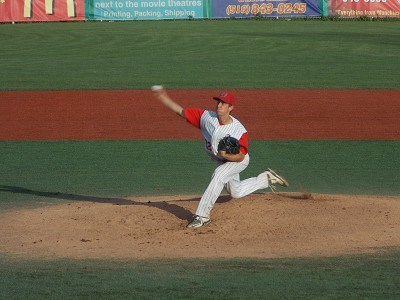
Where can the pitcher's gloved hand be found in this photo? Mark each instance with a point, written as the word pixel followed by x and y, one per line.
pixel 229 144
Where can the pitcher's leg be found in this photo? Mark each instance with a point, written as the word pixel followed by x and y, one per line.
pixel 270 178
pixel 238 189
pixel 209 197
pixel 223 174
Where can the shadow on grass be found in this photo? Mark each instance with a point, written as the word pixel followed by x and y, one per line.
pixel 176 210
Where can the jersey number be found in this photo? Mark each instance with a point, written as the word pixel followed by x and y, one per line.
pixel 208 145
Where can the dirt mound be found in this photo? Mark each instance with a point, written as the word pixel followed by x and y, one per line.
pixel 260 226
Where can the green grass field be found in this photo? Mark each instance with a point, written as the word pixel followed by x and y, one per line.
pixel 66 170
pixel 200 54
pixel 237 54
pixel 346 277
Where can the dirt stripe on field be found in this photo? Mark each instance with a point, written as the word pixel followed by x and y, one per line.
pixel 135 114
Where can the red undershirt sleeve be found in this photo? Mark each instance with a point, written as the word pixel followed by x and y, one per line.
pixel 193 115
pixel 244 143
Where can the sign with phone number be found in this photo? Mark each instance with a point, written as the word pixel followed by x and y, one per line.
pixel 265 8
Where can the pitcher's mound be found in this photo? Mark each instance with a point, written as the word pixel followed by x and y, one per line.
pixel 259 226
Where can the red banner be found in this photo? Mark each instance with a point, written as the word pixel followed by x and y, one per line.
pixel 365 8
pixel 41 10
pixel 6 10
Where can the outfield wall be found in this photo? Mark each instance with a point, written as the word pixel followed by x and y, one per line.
pixel 119 10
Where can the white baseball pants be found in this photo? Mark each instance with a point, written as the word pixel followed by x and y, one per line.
pixel 227 175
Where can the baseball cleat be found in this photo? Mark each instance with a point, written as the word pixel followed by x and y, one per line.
pixel 199 221
pixel 274 178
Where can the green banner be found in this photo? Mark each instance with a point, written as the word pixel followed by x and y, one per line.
pixel 146 9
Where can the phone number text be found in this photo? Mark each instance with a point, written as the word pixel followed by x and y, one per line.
pixel 266 9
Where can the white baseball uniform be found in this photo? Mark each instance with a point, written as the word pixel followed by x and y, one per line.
pixel 227 173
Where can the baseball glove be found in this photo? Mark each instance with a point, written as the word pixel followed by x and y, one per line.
pixel 229 144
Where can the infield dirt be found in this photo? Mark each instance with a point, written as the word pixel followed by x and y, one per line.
pixel 258 226
pixel 136 115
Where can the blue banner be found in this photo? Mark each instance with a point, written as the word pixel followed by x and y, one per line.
pixel 265 8
pixel 146 9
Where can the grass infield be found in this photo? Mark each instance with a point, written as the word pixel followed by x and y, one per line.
pixel 72 170
pixel 200 54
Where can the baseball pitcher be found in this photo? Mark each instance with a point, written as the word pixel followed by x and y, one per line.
pixel 226 142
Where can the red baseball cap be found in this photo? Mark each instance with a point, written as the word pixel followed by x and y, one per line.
pixel 226 97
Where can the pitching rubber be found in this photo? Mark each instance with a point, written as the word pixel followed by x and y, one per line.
pixel 156 88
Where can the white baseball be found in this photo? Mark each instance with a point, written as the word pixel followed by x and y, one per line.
pixel 156 88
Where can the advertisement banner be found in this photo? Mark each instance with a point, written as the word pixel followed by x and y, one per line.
pixel 365 8
pixel 41 10
pixel 6 10
pixel 145 9
pixel 265 8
